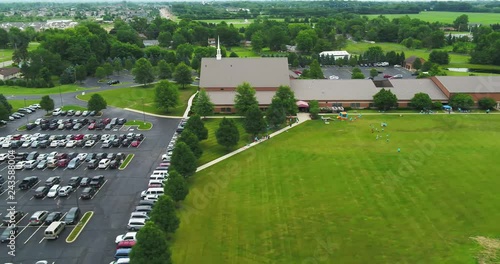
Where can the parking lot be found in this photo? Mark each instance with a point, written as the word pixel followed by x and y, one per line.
pixel 111 204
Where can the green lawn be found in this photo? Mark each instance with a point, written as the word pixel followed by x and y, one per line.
pixel 244 52
pixel 449 17
pixel 16 104
pixel 17 90
pixel 74 107
pixel 238 23
pixel 211 149
pixel 6 54
pixel 135 97
pixel 334 194
pixel 140 124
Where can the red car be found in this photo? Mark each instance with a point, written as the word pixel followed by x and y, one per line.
pixel 78 137
pixel 387 76
pixel 125 244
pixel 106 121
pixel 91 126
pixel 135 143
pixel 62 163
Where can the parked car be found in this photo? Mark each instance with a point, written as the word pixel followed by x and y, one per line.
pixel 113 82
pixel 38 217
pixel 62 163
pixel 12 216
pixel 10 232
pixel 74 181
pixel 135 143
pixel 52 180
pixel 28 182
pixel 41 191
pixel 74 163
pixel 103 164
pixel 52 217
pixel 121 121
pixel 97 181
pixel 87 193
pixel 126 236
pixel 64 191
pixel 42 164
pixel 54 191
pixel 85 182
pixel 92 164
pixel 30 164
pixel 72 216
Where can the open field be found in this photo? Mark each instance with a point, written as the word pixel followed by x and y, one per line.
pixel 449 17
pixel 16 104
pixel 238 23
pixel 18 90
pixel 6 54
pixel 141 98
pixel 334 194
pixel 211 149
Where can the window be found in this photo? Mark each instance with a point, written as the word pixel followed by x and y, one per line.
pixel 337 104
pixel 225 109
pixel 355 105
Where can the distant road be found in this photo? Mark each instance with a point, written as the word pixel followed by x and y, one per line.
pixel 6 64
pixel 165 13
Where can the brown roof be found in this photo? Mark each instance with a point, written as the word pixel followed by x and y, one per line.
pixel 231 72
pixel 406 89
pixel 412 59
pixel 471 84
pixel 331 90
pixel 9 71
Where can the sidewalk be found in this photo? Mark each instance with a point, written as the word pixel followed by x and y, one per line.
pixel 303 117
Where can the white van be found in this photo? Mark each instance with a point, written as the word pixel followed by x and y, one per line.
pixel 54 229
pixel 156 191
pixel 158 178
pixel 160 172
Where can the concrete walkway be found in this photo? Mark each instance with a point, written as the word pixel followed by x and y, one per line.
pixel 190 103
pixel 303 117
pixel 150 114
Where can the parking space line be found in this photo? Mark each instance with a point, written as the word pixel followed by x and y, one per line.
pixel 33 234
pixel 99 189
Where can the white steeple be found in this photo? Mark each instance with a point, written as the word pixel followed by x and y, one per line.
pixel 219 55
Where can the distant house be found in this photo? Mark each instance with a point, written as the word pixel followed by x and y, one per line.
pixel 9 73
pixel 336 54
pixel 150 42
pixel 212 42
pixel 408 63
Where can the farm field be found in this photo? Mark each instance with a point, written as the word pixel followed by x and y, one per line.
pixel 238 23
pixel 6 54
pixel 334 194
pixel 449 17
pixel 141 98
pixel 18 90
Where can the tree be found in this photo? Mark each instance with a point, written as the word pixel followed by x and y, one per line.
pixel 4 113
pixel 47 103
pixel 164 70
pixel 164 39
pixel 96 103
pixel 385 99
pixel 183 160
pixel 287 97
pixel 196 125
pixel 151 246
pixel 143 71
pixel 461 22
pixel 166 95
pixel 176 186
pixel 227 134
pixel 46 76
pixel 117 65
pixel 100 72
pixel 315 71
pixel 314 109
pixel 203 106
pixel 275 114
pixel 182 74
pixel 487 103
pixel 417 64
pixel 68 76
pixel 258 41
pixel 357 74
pixel 164 215
pixel 439 57
pixel 254 121
pixel 6 104
pixel 81 73
pixel 421 101
pixel 108 69
pixel 373 73
pixel 463 101
pixel 192 141
pixel 245 98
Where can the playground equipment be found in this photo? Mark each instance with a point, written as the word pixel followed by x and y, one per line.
pixel 342 116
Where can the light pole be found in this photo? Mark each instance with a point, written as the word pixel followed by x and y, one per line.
pixel 76 197
pixel 27 117
pixel 60 96
pixel 143 112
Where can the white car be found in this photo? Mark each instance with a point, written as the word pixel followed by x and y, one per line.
pixel 65 191
pixel 334 77
pixel 82 156
pixel 89 143
pixel 26 144
pixel 38 121
pixel 165 157
pixel 103 164
pixel 6 144
pixel 151 197
pixel 62 143
pixel 37 106
pixel 4 156
pixel 35 143
pixel 56 112
pixel 126 236
pixel 52 155
pixel 85 113
pixel 105 137
pixel 54 143
pixel 71 144
pixel 19 165
pixel 54 191
pixel 139 215
pixel 30 164
pixel 42 156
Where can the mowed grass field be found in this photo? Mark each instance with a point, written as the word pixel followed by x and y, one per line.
pixel 449 17
pixel 334 194
pixel 142 98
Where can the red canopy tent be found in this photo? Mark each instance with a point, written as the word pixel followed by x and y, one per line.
pixel 302 104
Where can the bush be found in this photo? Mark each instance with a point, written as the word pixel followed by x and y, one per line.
pixel 438 105
pixel 487 103
pixel 2 82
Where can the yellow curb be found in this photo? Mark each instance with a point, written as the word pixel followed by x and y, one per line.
pixel 79 231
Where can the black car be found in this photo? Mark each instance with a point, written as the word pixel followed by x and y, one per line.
pixel 41 191
pixel 114 164
pixel 52 217
pixel 121 121
pixel 12 217
pixel 113 82
pixel 44 126
pixel 28 182
pixel 30 126
pixel 116 143
pixel 72 216
pixel 72 155
pixel 120 156
pixel 74 181
pixel 100 156
pixel 68 125
pixel 139 137
pixel 85 182
pixel 90 157
pixel 43 144
pixel 125 143
pixel 52 181
pixel 9 233
pixel 92 164
pixel 21 156
pixel 53 126
pixel 87 193
pixel 97 181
